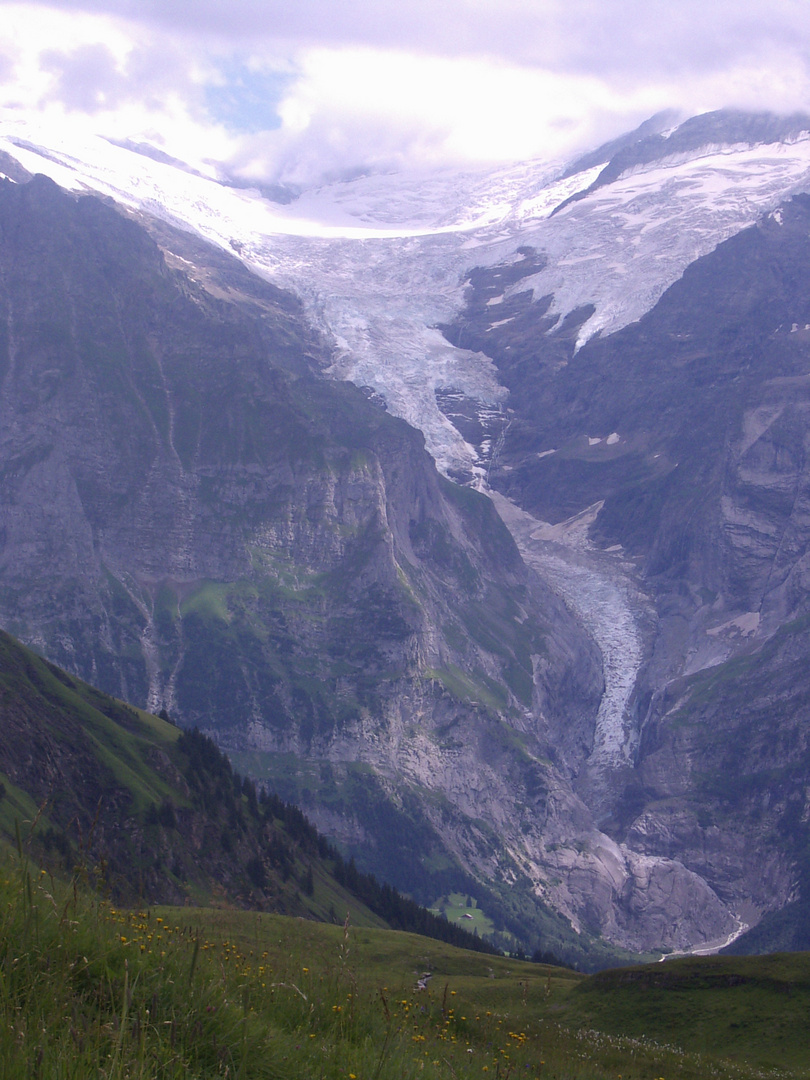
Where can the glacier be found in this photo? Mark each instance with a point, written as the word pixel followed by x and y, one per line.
pixel 381 260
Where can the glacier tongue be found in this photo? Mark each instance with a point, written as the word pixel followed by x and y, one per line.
pixel 380 301
pixel 601 591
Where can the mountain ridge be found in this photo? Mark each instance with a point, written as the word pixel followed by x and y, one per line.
pixel 149 814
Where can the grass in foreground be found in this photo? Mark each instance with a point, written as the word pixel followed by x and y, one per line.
pixel 751 1009
pixel 87 990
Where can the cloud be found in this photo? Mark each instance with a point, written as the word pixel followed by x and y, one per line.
pixel 594 36
pixel 291 92
pixel 86 63
pixel 93 77
pixel 6 67
pixel 366 108
pixel 87 78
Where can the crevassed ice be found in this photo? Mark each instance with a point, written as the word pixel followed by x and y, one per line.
pixel 381 260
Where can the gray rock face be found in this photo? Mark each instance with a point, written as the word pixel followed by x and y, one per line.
pixel 192 517
pixel 680 459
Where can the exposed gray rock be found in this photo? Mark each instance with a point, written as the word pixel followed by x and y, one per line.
pixel 195 519
pixel 679 464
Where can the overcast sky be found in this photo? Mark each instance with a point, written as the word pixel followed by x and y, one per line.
pixel 293 90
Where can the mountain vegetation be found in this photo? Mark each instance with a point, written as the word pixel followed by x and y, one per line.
pixel 90 988
pixel 146 813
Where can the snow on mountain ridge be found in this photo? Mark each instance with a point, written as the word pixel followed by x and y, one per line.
pixel 381 260
pixel 630 240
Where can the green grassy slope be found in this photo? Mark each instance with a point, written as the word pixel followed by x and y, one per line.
pixel 90 989
pixel 157 811
pixel 154 814
pixel 747 1009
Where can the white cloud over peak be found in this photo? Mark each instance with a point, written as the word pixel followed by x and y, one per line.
pixel 295 92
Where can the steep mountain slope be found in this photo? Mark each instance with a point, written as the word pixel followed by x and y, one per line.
pixel 123 800
pixel 195 519
pixel 685 434
pixel 626 366
pixel 91 782
pixel 155 445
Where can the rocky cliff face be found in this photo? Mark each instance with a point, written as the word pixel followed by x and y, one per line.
pixel 155 443
pixel 673 453
pixel 193 518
